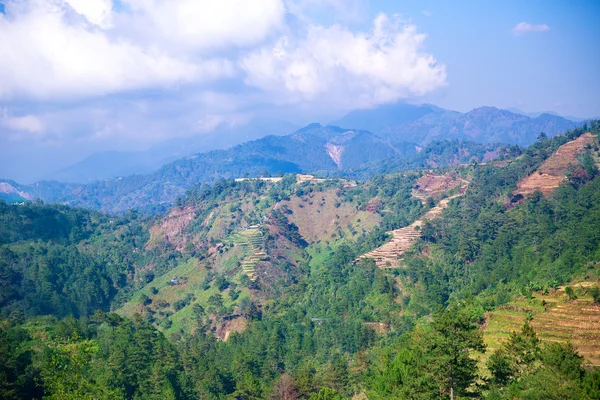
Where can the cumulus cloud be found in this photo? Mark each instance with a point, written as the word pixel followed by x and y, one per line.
pixel 335 64
pixel 204 24
pixel 138 71
pixel 72 48
pixel 340 10
pixel 525 27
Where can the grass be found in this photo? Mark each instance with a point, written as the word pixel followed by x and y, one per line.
pixel 183 319
pixel 190 269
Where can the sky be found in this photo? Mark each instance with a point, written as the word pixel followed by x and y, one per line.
pixel 82 76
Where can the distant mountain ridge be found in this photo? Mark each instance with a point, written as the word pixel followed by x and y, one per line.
pixel 424 123
pixel 328 151
pixel 396 123
pixel 325 150
pixel 113 164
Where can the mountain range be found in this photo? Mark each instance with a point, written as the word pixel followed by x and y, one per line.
pixel 110 164
pixel 378 137
pixel 422 124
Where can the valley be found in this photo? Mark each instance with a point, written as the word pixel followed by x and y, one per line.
pixel 299 200
pixel 332 278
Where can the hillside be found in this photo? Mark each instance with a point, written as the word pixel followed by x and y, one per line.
pixel 327 151
pixel 558 166
pixel 554 318
pixel 429 186
pixel 250 288
pixel 247 247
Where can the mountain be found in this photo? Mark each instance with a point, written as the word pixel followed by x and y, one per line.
pixel 424 123
pixel 326 150
pixel 397 123
pixel 538 113
pixel 113 164
pixel 384 116
pixel 292 288
pixel 483 125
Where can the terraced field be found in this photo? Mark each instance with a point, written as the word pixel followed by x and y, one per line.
pixel 391 253
pixel 428 186
pixel 431 185
pixel 553 171
pixel 252 240
pixel 576 321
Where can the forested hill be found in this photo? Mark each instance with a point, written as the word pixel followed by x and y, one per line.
pixel 254 289
pixel 325 151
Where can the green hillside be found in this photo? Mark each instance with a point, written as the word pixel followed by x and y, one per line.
pixel 255 289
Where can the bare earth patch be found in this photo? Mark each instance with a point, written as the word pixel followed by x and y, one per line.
pixel 170 227
pixel 432 185
pixel 320 215
pixel 229 326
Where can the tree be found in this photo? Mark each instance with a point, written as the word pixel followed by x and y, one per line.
pixel 515 357
pixel 285 389
pixel 326 394
pixel 595 292
pixel 434 361
pixel 558 375
pixel 570 293
pixel 458 335
pixel 221 283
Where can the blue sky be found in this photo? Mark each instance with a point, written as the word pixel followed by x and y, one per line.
pixel 80 76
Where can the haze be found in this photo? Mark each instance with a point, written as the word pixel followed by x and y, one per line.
pixel 78 77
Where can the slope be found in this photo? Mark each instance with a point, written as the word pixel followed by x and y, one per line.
pixel 243 248
pixel 554 317
pixel 429 186
pixel 483 124
pixel 326 150
pixel 555 169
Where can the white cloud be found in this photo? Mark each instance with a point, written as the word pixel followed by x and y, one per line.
pixel 76 48
pixel 214 63
pixel 25 123
pixel 426 13
pixel 335 64
pixel 525 27
pixel 98 12
pixel 210 122
pixel 205 24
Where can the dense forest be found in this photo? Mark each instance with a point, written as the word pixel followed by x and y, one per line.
pixel 82 317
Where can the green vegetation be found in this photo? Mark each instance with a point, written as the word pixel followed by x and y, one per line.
pixel 225 298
